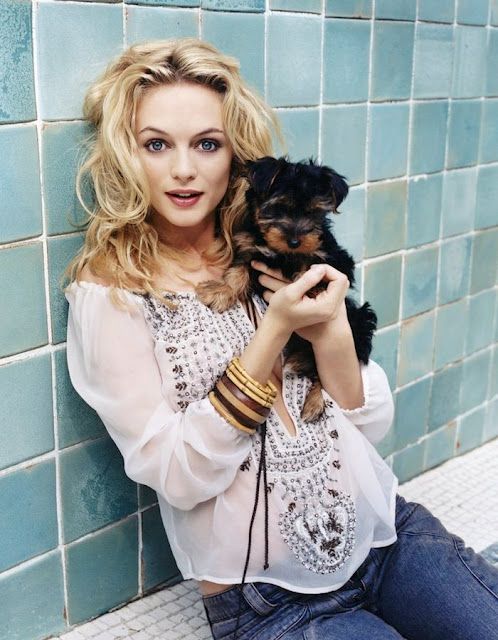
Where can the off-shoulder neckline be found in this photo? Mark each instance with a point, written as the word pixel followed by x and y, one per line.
pixel 87 284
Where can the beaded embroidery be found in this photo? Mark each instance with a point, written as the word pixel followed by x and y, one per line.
pixel 317 520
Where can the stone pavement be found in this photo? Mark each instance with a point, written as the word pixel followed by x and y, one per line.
pixel 462 493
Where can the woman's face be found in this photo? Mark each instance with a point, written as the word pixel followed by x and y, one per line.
pixel 185 153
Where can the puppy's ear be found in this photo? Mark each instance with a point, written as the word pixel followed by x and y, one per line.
pixel 262 172
pixel 333 186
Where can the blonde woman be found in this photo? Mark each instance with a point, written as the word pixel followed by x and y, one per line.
pixel 200 403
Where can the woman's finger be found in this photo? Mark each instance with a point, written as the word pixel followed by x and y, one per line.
pixel 274 273
pixel 269 282
pixel 299 287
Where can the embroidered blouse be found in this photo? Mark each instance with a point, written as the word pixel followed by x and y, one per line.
pixel 148 371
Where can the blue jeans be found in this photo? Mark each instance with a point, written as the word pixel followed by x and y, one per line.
pixel 426 586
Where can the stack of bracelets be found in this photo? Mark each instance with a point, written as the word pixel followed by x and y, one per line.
pixel 243 401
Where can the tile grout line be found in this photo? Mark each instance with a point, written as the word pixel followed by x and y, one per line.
pixel 55 454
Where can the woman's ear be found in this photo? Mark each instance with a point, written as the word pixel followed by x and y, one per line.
pixel 262 172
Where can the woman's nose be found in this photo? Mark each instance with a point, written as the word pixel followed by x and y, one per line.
pixel 183 167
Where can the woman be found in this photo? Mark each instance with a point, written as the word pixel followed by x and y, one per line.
pixel 201 404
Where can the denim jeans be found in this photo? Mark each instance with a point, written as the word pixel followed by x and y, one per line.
pixel 426 586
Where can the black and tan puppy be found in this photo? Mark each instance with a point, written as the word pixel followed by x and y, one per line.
pixel 288 227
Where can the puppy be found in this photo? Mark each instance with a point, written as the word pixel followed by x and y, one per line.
pixel 287 227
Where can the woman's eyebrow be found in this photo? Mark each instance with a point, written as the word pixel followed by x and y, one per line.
pixel 165 133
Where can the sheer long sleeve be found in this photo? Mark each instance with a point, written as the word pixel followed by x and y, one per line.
pixel 374 418
pixel 186 456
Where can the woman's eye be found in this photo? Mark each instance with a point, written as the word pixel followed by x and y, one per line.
pixel 154 145
pixel 209 145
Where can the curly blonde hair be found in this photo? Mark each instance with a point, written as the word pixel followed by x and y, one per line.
pixel 121 245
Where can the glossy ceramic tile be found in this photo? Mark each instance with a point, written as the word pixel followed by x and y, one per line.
pixel 424 209
pixel 488 149
pixel 300 130
pixel 386 207
pixel 416 345
pixel 428 141
pixel 409 462
pixel 395 9
pixel 349 225
pixel 419 281
pixel 349 8
pixel 433 61
pixel 484 260
pixel 493 374
pixel 310 6
pixel 472 11
pixel 493 12
pixel 445 396
pixel 440 446
pixel 388 132
pixel 451 323
pixel 487 196
pixel 17 91
pixel 491 80
pixel 459 201
pixel 158 563
pixel 470 430
pixel 382 289
pixel 24 319
pixel 242 36
pixel 20 204
pixel 26 410
pixel 385 352
pixel 412 408
pixel 62 151
pixel 234 5
pixel 469 62
pixel 344 130
pixel 144 23
pixel 293 52
pixel 39 613
pixel 346 60
pixel 75 41
pixel 94 488
pixel 102 570
pixel 440 11
pixel 27 493
pixel 463 133
pixel 454 269
pixel 392 60
pixel 480 321
pixel 76 420
pixel 173 3
pixel 60 251
pixel 475 376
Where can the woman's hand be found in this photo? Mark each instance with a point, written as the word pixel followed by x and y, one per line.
pixel 314 319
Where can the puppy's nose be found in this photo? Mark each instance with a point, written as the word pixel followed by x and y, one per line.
pixel 293 243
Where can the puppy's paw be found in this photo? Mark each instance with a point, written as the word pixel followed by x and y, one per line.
pixel 218 296
pixel 314 404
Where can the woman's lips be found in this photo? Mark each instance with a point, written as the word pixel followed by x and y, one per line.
pixel 184 202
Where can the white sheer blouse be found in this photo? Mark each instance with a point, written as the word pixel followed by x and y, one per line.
pixel 147 372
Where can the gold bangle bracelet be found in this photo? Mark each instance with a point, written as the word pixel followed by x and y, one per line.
pixel 257 398
pixel 269 387
pixel 228 417
pixel 243 383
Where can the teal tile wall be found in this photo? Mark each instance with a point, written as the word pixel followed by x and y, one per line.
pixel 20 204
pixel 17 89
pixel 400 96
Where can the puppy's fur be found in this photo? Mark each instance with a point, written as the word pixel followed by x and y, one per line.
pixel 288 227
